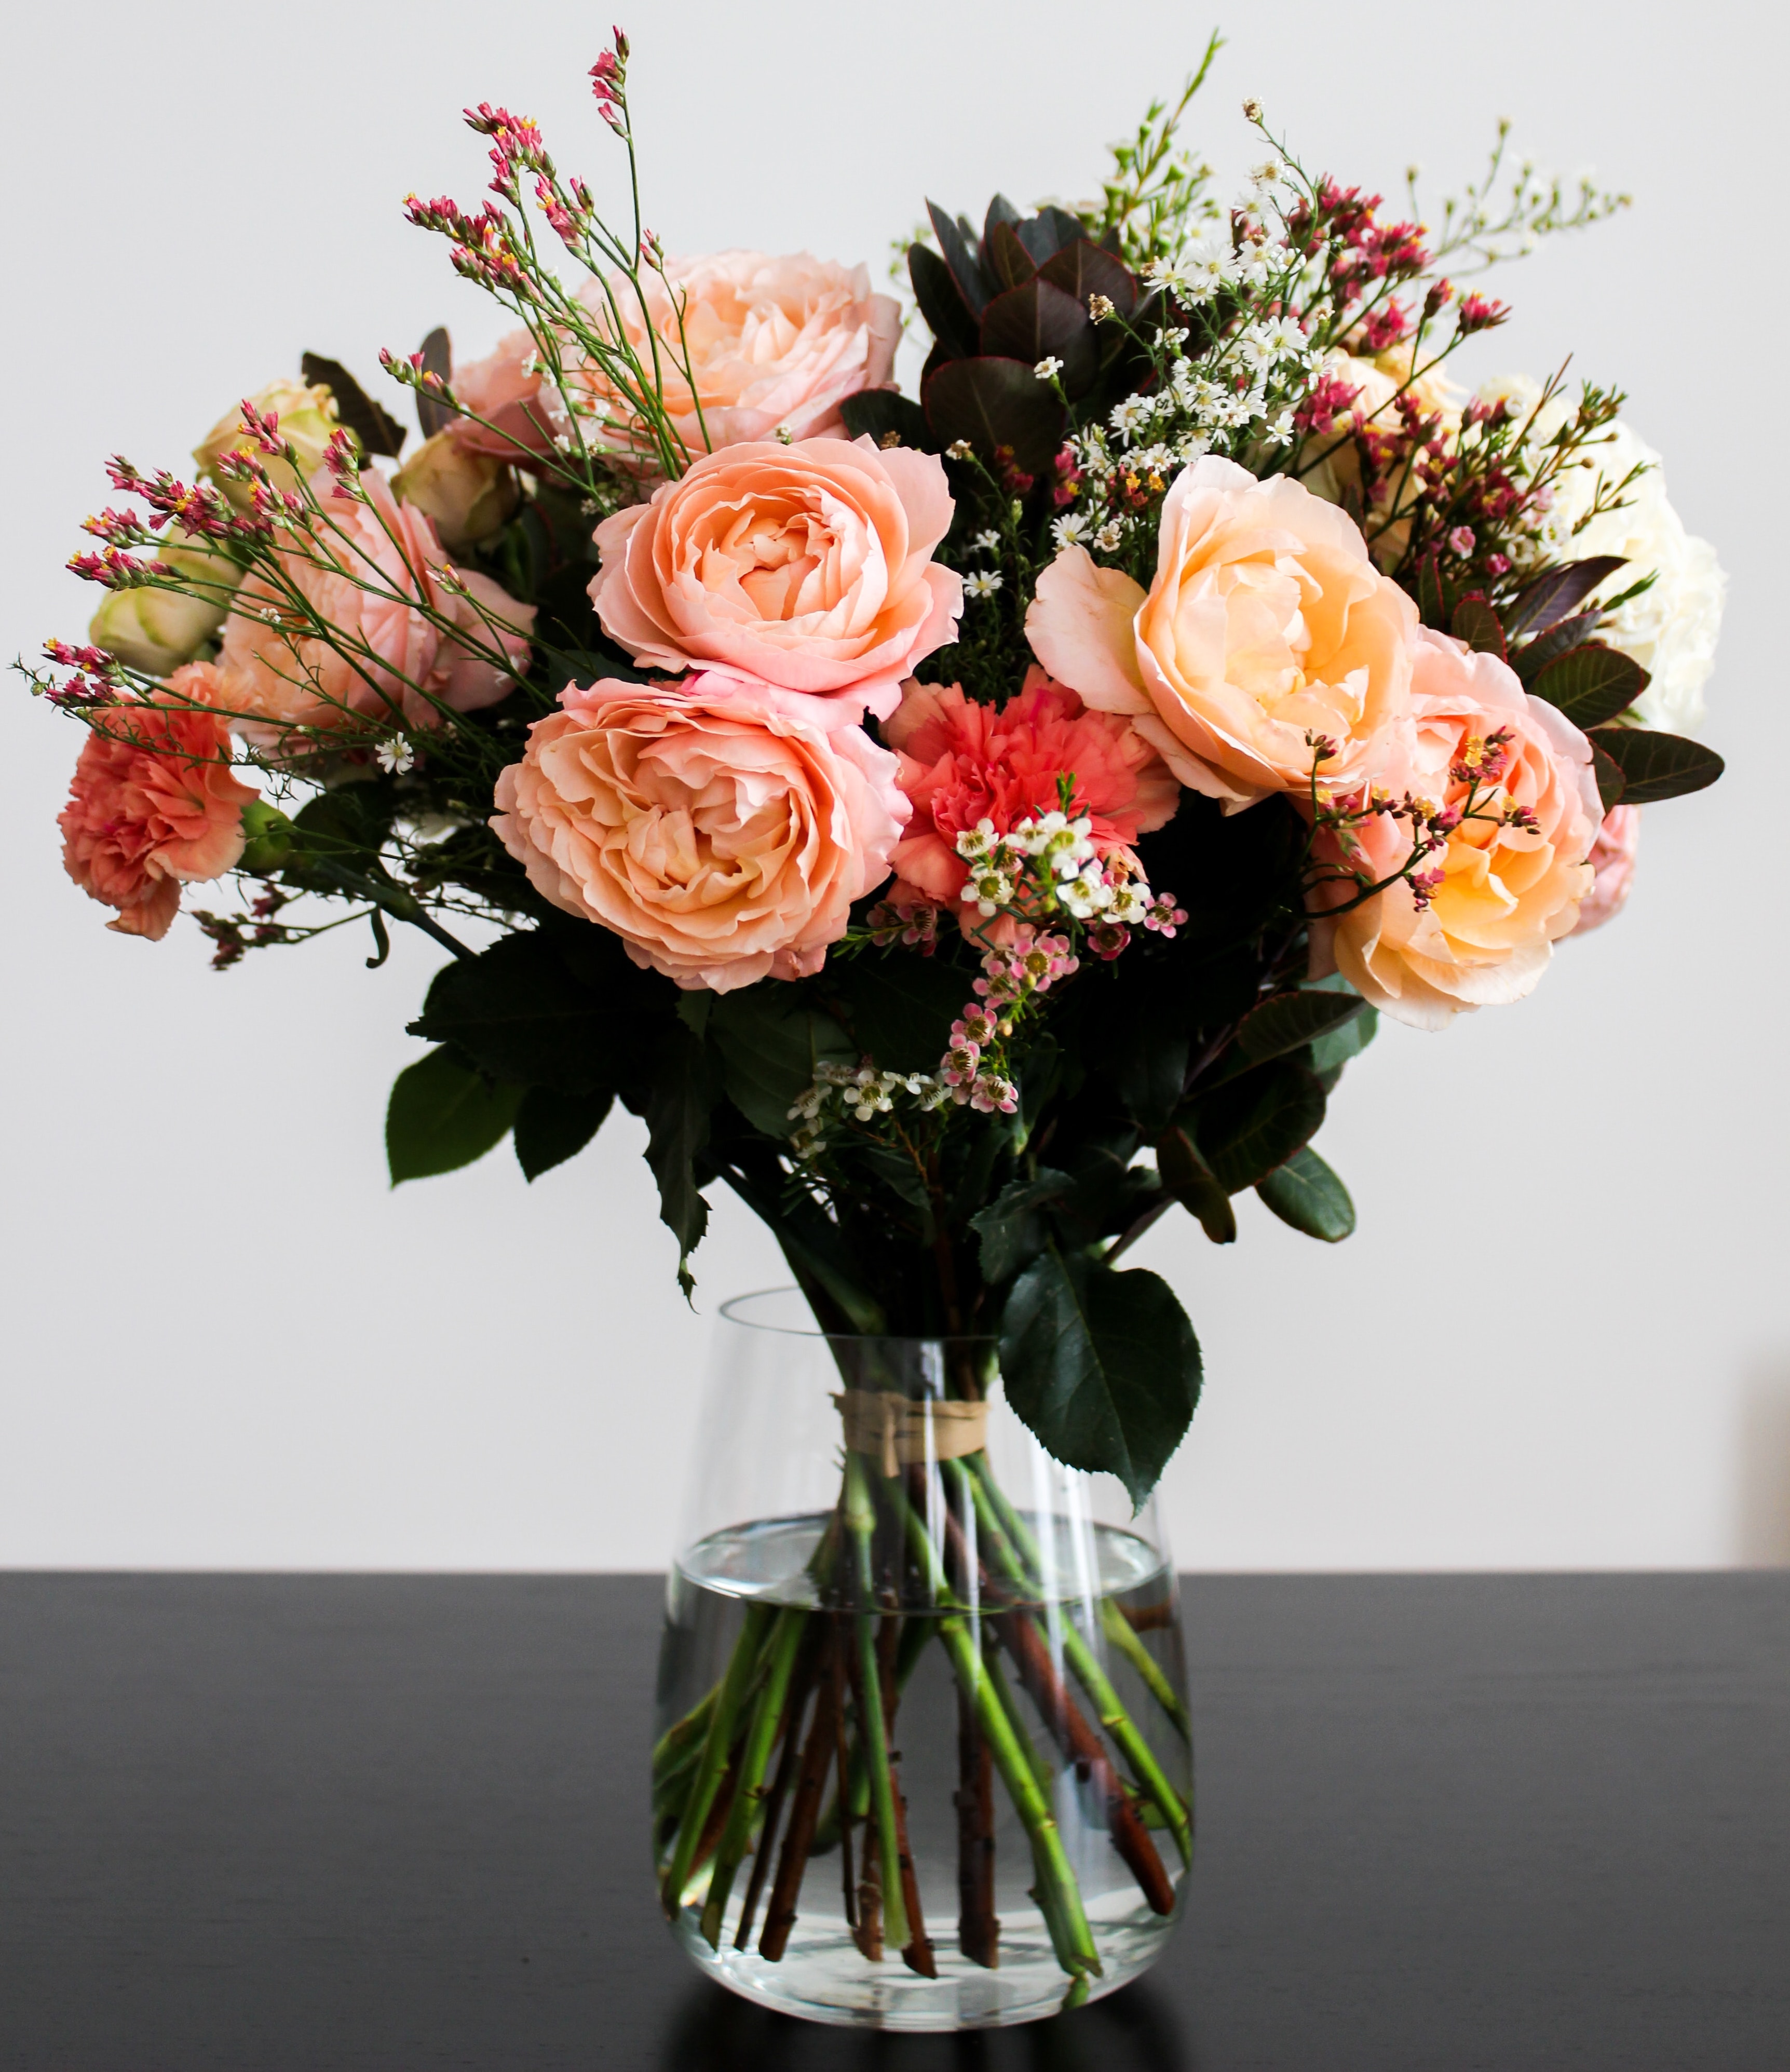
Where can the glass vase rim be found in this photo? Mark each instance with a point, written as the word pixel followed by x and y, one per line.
pixel 728 1312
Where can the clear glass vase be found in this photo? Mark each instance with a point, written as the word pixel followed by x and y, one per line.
pixel 922 1755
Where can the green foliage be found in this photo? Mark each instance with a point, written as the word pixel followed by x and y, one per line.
pixel 441 1117
pixel 1250 1124
pixel 1103 1366
pixel 552 1126
pixel 1012 1228
pixel 1195 1186
pixel 1292 1020
pixel 899 1009
pixel 770 1043
pixel 1307 1194
pixel 678 1107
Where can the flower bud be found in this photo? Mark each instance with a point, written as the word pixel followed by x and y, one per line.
pixel 307 416
pixel 156 630
pixel 469 495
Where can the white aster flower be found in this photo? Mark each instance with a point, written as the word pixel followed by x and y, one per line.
pixel 1049 368
pixel 395 756
pixel 1071 530
pixel 987 542
pixel 984 583
pixel 1279 432
pixel 1111 536
pixel 1132 415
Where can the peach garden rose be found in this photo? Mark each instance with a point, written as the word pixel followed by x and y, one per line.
pixel 722 829
pixel 1502 895
pixel 808 565
pixel 775 344
pixel 1267 621
pixel 152 805
pixel 386 656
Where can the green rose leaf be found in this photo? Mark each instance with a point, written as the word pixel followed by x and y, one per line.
pixel 1249 1125
pixel 1102 1366
pixel 901 1009
pixel 1307 1194
pixel 1195 1186
pixel 1012 1227
pixel 770 1044
pixel 677 1134
pixel 441 1117
pixel 552 1127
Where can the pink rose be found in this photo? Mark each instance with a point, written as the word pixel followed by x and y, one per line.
pixel 808 566
pixel 503 389
pixel 775 344
pixel 961 762
pixel 1502 895
pixel 1613 861
pixel 152 805
pixel 721 829
pixel 281 676
pixel 1267 621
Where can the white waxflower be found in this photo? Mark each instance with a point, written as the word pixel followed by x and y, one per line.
pixel 1132 415
pixel 396 756
pixel 984 583
pixel 1049 368
pixel 976 842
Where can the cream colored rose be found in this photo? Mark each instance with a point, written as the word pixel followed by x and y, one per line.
pixel 722 829
pixel 1266 623
pixel 775 345
pixel 308 419
pixel 1671 629
pixel 1504 893
pixel 156 630
pixel 1330 466
pixel 809 566
pixel 467 494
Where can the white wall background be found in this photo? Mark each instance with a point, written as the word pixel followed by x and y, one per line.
pixel 1561 1337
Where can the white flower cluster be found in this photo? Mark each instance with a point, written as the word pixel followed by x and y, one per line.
pixel 859 1094
pixel 1074 876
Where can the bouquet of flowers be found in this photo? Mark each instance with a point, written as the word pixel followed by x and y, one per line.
pixel 971 826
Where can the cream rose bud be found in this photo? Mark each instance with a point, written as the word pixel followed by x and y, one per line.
pixel 469 495
pixel 156 629
pixel 1501 893
pixel 1671 629
pixel 808 566
pixel 1266 623
pixel 722 829
pixel 308 421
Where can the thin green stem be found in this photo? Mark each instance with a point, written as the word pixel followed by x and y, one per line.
pixel 860 1521
pixel 785 1643
pixel 740 1667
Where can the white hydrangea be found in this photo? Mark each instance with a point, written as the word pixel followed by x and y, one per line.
pixel 1671 629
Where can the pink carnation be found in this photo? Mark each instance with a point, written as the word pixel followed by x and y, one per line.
pixel 721 829
pixel 153 805
pixel 961 762
pixel 1613 859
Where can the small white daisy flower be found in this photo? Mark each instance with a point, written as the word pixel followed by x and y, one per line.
pixel 984 583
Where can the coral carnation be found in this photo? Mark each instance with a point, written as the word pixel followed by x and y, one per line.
pixel 153 805
pixel 961 762
pixel 722 829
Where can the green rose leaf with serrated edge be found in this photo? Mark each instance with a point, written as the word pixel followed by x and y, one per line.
pixel 441 1117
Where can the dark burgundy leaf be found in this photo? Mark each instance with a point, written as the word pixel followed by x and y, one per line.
pixel 1046 233
pixel 437 359
pixel 378 431
pixel 960 256
pixel 941 302
pixel 1006 261
pixel 1037 321
pixel 1475 622
pixel 1611 784
pixel 1549 598
pixel 997 403
pixel 1082 269
pixel 1656 766
pixel 885 412
pixel 1536 654
pixel 1000 210
pixel 1591 683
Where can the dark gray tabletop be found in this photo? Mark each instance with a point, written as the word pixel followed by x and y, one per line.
pixel 331 1822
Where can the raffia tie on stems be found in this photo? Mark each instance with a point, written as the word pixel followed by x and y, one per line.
pixel 897 1432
